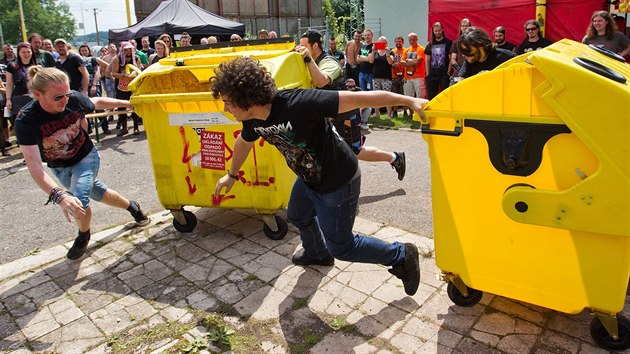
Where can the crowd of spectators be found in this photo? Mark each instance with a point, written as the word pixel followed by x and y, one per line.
pixel 414 69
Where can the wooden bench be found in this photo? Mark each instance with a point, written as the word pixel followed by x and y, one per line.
pixel 94 117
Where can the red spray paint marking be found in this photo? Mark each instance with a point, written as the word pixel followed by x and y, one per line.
pixel 217 201
pixel 185 157
pixel 191 188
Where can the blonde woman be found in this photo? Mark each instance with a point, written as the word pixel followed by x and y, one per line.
pixel 161 52
pixel 53 126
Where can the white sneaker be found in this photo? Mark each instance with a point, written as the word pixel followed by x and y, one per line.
pixel 364 126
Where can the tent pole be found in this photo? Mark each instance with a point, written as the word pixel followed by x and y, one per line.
pixel 541 14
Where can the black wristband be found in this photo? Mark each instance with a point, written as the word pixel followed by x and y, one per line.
pixel 232 176
pixel 307 59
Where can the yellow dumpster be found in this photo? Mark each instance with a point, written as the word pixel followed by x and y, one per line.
pixel 190 138
pixel 531 184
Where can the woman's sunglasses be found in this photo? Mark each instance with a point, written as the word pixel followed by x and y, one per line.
pixel 58 98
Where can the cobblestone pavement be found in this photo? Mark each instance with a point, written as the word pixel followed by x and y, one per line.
pixel 135 280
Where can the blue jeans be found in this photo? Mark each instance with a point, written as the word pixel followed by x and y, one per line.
pixel 80 179
pixel 365 81
pixel 325 222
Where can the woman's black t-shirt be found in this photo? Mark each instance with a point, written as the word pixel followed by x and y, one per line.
pixel 61 139
pixel 382 69
pixel 298 127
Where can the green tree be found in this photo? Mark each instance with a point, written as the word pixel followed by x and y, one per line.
pixel 328 11
pixel 349 15
pixel 50 18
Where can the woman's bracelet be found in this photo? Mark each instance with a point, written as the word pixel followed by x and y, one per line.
pixel 57 195
pixel 232 176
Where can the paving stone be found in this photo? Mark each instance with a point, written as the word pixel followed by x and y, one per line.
pixel 263 304
pixel 587 348
pixel 76 337
pixel 207 271
pixel 38 324
pixel 387 233
pixel 496 323
pixel 558 341
pixel 246 227
pixel 15 343
pixel 468 345
pixel 365 226
pixel 172 313
pixel 90 301
pixel 407 343
pixel 7 326
pixel 568 326
pixel 342 343
pixel 201 300
pixel 490 339
pixel 226 219
pixel 241 252
pixel 65 311
pixel 517 343
pixel 517 310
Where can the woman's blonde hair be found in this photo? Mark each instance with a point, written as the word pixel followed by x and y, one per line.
pixel 167 50
pixel 39 78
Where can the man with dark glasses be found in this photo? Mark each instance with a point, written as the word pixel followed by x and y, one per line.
pixel 533 38
pixel 479 53
pixel 53 128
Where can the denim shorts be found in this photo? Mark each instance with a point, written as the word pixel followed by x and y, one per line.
pixel 80 179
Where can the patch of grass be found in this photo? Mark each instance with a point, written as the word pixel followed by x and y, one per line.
pixel 395 123
pixel 221 335
pixel 125 343
pixel 300 303
pixel 309 339
pixel 251 277
pixel 33 252
pixel 248 338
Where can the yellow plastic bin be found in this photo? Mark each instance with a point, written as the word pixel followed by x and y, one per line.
pixel 190 138
pixel 530 184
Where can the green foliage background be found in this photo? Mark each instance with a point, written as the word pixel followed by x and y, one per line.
pixel 50 18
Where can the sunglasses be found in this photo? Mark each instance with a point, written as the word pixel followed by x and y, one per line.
pixel 58 98
pixel 531 29
pixel 351 86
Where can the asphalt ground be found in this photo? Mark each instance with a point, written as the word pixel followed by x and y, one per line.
pixel 26 225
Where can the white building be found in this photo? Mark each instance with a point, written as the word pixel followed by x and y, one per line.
pixel 393 18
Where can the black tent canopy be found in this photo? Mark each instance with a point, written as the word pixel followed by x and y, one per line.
pixel 177 16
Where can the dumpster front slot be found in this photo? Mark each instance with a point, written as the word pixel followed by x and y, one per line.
pixel 516 148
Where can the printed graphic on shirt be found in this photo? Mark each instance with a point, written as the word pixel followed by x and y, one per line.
pixel 62 139
pixel 411 69
pixel 298 157
pixel 399 71
pixel 438 56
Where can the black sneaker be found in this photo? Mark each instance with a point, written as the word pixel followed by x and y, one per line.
pixel 399 165
pixel 138 215
pixel 304 260
pixel 78 248
pixel 5 152
pixel 409 270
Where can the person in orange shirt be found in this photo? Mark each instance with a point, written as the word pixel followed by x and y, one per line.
pixel 398 72
pixel 413 61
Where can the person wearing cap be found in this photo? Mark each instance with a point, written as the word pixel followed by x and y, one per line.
pixel 17 80
pixel 324 198
pixel 73 65
pixel 263 34
pixel 43 57
pixel 126 56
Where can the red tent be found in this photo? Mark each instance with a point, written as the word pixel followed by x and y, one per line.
pixel 565 18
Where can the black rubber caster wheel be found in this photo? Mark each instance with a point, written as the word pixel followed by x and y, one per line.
pixel 282 229
pixel 603 339
pixel 474 296
pixel 191 223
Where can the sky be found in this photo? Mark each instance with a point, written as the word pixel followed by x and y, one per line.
pixel 109 13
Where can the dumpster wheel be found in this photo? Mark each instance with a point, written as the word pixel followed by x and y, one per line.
pixel 280 233
pixel 474 296
pixel 189 226
pixel 605 340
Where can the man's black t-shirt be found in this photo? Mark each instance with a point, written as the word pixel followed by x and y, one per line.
pixel 71 67
pixel 61 139
pixel 527 46
pixel 507 46
pixel 495 58
pixel 439 52
pixel 297 126
pixel 366 66
pixel 148 52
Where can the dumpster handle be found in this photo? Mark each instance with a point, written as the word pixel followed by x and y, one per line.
pixel 607 52
pixel 426 129
pixel 600 69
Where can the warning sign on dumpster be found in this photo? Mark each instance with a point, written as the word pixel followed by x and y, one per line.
pixel 212 152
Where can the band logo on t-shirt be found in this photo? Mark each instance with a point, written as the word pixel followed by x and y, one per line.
pixel 62 139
